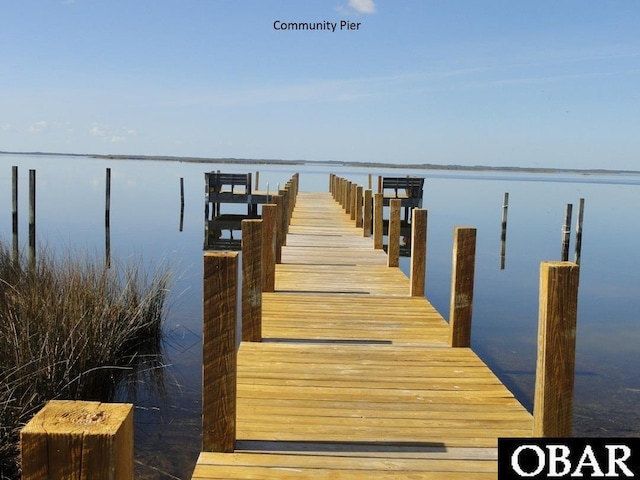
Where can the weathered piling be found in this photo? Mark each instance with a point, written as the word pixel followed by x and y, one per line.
pixel 378 208
pixel 462 279
pixel 553 403
pixel 366 213
pixel 181 203
pixel 220 292
pixel 269 216
pixel 503 234
pixel 251 280
pixel 32 217
pixel 14 212
pixel 566 233
pixel 107 218
pixel 393 248
pixel 418 252
pixel 578 251
pixel 80 440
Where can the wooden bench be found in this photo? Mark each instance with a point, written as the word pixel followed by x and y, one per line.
pixel 216 193
pixel 408 189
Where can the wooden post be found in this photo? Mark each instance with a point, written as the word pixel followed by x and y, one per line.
pixel 251 280
pixel 220 292
pixel 80 440
pixel 349 203
pixel 277 201
pixel 269 216
pixel 462 276
pixel 256 186
pixel 503 235
pixel 354 201
pixel 369 181
pixel 553 403
pixel 32 218
pixel 181 203
pixel 366 220
pixel 579 232
pixel 107 219
pixel 566 233
pixel 378 208
pixel 418 251
pixel 393 249
pixel 358 206
pixel 14 212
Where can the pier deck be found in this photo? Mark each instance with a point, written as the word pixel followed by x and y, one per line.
pixel 354 378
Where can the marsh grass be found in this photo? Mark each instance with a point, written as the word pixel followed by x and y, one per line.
pixel 71 328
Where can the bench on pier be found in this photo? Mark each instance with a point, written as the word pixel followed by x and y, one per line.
pixel 221 188
pixel 408 189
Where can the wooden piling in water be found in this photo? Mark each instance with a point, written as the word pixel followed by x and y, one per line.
pixel 181 203
pixel 251 280
pixel 107 218
pixel 366 213
pixel 32 217
pixel 553 402
pixel 393 249
pixel 80 440
pixel 578 251
pixel 503 234
pixel 269 218
pixel 14 213
pixel 220 293
pixel 378 209
pixel 566 233
pixel 462 279
pixel 418 252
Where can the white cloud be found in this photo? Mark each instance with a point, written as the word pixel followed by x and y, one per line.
pixel 42 125
pixel 112 135
pixel 98 130
pixel 363 6
pixel 5 127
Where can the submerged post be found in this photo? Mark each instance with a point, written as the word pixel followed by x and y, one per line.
pixel 566 233
pixel 553 402
pixel 579 232
pixel 462 276
pixel 32 218
pixel 107 218
pixel 14 212
pixel 503 235
pixel 269 216
pixel 220 305
pixel 83 440
pixel 418 251
pixel 393 249
pixel 378 234
pixel 251 280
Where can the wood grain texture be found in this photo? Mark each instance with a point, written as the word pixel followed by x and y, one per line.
pixel 418 264
pixel 462 279
pixel 251 280
pixel 393 249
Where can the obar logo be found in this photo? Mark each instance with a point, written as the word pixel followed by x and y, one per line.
pixel 568 458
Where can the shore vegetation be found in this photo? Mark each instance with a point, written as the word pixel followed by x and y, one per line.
pixel 70 328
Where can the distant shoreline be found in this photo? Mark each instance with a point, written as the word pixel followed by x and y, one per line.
pixel 412 166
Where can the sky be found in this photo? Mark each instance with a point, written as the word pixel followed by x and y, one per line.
pixel 468 82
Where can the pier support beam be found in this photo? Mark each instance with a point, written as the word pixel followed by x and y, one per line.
pixel 220 364
pixel 251 280
pixel 462 276
pixel 418 251
pixel 378 208
pixel 393 250
pixel 83 440
pixel 269 219
pixel 553 403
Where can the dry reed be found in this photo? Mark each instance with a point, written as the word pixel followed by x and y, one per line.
pixel 69 328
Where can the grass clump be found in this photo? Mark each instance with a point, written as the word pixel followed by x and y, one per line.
pixel 69 328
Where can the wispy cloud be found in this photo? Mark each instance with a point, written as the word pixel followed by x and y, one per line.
pixel 5 127
pixel 42 125
pixel 363 6
pixel 111 135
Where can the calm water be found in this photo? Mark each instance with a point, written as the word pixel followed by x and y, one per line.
pixel 145 219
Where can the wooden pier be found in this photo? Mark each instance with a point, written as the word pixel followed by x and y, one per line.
pixel 354 377
pixel 345 370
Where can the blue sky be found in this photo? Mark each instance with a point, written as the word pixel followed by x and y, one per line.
pixel 532 83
